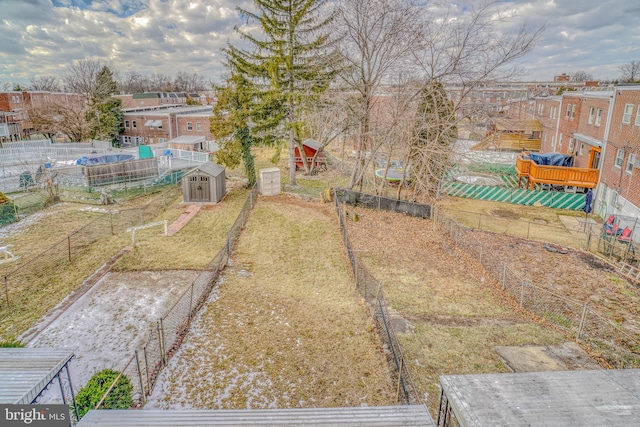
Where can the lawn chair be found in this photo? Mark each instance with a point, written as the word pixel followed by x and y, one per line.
pixel 609 224
pixel 625 235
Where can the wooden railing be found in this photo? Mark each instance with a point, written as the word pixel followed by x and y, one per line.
pixel 556 175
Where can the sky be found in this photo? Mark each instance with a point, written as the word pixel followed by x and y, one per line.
pixel 42 37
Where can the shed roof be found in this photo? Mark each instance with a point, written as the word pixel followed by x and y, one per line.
pixel 587 139
pixel 187 139
pixel 565 398
pixel 312 143
pixel 25 372
pixel 147 95
pixel 209 168
pixel 373 416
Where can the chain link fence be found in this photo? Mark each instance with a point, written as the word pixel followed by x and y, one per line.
pixel 618 345
pixel 51 265
pixel 167 334
pixel 371 290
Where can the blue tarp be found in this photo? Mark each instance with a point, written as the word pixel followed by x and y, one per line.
pixel 552 159
pixel 104 160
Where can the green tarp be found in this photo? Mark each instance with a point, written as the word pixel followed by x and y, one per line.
pixel 145 152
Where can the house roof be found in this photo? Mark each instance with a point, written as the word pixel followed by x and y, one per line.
pixel 209 168
pixel 147 95
pixel 373 416
pixel 312 143
pixel 560 398
pixel 187 139
pixel 25 372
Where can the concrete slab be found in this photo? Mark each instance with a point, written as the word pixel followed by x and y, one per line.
pixel 577 225
pixel 566 356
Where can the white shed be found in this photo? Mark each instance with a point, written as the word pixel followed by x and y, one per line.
pixel 270 181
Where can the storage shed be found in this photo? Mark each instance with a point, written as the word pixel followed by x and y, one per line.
pixel 560 398
pixel 270 181
pixel 311 147
pixel 204 184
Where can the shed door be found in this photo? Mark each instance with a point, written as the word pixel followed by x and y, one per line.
pixel 199 188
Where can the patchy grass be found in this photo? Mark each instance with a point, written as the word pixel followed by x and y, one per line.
pixel 529 222
pixel 52 276
pixel 457 311
pixel 190 248
pixel 287 328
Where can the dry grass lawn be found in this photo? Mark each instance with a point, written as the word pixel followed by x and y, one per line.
pixel 287 329
pixel 457 312
pixel 190 248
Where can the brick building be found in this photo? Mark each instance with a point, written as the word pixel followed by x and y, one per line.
pixel 619 186
pixel 152 125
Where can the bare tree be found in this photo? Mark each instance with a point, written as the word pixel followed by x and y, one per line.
pixel 45 83
pixel 630 72
pixel 581 76
pixel 82 76
pixel 466 51
pixel 185 82
pixel 378 36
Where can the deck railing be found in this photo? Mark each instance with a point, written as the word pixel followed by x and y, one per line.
pixel 556 175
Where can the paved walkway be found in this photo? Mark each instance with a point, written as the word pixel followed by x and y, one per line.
pixel 577 225
pixel 183 219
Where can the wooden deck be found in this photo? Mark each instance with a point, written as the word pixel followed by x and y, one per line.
pixel 509 142
pixel 555 175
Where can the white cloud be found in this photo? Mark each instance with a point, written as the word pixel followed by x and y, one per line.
pixel 42 37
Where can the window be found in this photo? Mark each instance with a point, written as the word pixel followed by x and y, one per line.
pixel 189 126
pixel 581 149
pixel 198 126
pixel 573 111
pixel 628 109
pixel 638 116
pixel 568 113
pixel 133 124
pixel 126 124
pixel 592 112
pixel 631 162
pixel 553 142
pixel 571 145
pixel 560 141
pixel 162 140
pixel 619 158
pixel 599 117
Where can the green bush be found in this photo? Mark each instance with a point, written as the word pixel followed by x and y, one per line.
pixel 119 397
pixel 11 344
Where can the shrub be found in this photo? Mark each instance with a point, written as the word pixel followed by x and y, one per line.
pixel 119 397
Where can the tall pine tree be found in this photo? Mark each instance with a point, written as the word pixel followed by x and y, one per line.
pixel 290 65
pixel 106 113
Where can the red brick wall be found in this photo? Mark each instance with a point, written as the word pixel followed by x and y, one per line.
pixel 570 110
pixel 547 111
pixel 194 120
pixel 626 137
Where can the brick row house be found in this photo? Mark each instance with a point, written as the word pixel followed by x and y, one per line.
pixel 14 106
pixel 160 124
pixel 601 130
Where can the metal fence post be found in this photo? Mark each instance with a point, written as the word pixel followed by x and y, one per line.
pixel 146 366
pixel 69 246
pixel 582 319
pixel 139 376
pixel 522 294
pixel 6 289
pixel 111 221
pixel 160 343
pixel 504 277
pixel 528 229
pixel 191 302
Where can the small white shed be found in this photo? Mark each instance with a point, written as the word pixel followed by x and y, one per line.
pixel 188 143
pixel 270 181
pixel 204 184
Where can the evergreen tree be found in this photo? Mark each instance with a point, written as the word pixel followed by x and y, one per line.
pixel 434 132
pixel 106 112
pixel 290 65
pixel 230 124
